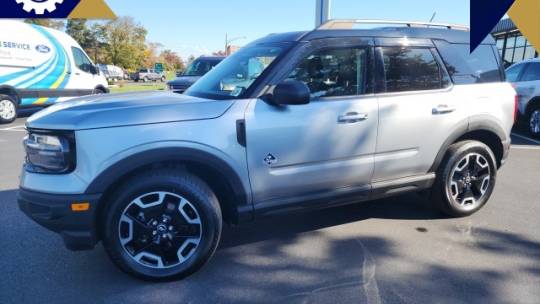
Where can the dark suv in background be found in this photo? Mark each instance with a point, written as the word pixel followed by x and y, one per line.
pixel 193 72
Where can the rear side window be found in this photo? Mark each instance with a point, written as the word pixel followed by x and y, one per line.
pixel 410 69
pixel 532 72
pixel 465 68
pixel 512 73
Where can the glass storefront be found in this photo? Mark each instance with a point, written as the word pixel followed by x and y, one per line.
pixel 514 47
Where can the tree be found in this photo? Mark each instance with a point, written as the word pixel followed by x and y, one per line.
pixel 125 42
pixel 78 30
pixel 151 54
pixel 97 44
pixel 55 24
pixel 171 60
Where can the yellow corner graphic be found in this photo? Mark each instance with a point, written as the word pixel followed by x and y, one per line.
pixel 92 9
pixel 525 14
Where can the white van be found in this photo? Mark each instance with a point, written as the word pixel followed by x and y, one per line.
pixel 41 66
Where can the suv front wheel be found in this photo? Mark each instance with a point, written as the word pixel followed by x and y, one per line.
pixel 465 179
pixel 162 225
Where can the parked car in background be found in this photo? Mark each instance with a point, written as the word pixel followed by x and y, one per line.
pixel 525 77
pixel 198 68
pixel 146 75
pixel 112 72
pixel 312 120
pixel 40 66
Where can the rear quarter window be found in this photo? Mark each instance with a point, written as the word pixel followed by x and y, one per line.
pixel 464 67
pixel 512 74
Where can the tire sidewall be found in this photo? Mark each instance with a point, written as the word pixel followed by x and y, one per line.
pixel 528 122
pixel 467 148
pixel 15 105
pixel 210 219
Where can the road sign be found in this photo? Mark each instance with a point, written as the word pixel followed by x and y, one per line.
pixel 159 67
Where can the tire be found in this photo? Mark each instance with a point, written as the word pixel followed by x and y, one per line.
pixel 163 79
pixel 98 91
pixel 456 193
pixel 8 109
pixel 177 190
pixel 533 122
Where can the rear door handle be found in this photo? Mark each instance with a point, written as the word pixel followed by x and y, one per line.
pixel 352 117
pixel 443 109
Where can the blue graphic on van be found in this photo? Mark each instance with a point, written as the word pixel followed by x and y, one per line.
pixel 43 48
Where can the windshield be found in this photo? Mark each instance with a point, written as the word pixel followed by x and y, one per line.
pixel 237 73
pixel 200 67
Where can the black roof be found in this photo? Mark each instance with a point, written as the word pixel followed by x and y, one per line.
pixel 213 57
pixel 505 25
pixel 450 35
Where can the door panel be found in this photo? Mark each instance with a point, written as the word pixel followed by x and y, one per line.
pixel 416 113
pixel 411 132
pixel 312 147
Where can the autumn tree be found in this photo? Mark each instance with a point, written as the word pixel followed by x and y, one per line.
pixel 172 60
pixel 125 42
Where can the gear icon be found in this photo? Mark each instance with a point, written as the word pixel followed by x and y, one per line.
pixel 39 6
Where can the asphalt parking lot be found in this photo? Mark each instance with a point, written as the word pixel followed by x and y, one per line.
pixel 389 251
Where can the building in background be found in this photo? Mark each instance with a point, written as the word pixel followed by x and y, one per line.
pixel 512 45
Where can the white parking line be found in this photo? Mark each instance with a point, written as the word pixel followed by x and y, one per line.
pixel 15 129
pixel 518 147
pixel 527 138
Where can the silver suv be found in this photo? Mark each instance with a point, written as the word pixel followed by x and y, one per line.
pixel 291 122
pixel 525 76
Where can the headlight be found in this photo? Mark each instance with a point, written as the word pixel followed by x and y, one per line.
pixel 169 87
pixel 50 153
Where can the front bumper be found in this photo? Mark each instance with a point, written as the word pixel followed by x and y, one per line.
pixel 53 211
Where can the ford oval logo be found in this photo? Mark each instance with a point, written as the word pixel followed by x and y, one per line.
pixel 43 48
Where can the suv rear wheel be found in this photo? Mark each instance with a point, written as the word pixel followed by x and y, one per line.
pixel 465 179
pixel 8 109
pixel 162 225
pixel 534 122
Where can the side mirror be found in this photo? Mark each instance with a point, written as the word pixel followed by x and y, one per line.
pixel 94 69
pixel 291 92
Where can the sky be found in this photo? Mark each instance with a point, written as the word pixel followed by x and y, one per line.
pixel 197 27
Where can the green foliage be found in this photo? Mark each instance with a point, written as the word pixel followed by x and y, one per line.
pixel 126 41
pixel 120 42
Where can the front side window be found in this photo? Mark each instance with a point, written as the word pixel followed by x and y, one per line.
pixel 81 60
pixel 512 73
pixel 200 67
pixel 532 72
pixel 410 69
pixel 237 73
pixel 334 72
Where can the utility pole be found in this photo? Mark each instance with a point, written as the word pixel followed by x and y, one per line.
pixel 228 42
pixel 322 13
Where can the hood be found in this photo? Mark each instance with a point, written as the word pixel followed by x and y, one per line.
pixel 115 110
pixel 184 80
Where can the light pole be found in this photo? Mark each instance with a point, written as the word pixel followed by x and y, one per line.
pixel 228 42
pixel 322 13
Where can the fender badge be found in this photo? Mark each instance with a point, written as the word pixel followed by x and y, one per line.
pixel 270 159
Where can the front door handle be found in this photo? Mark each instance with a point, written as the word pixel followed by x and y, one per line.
pixel 352 117
pixel 443 109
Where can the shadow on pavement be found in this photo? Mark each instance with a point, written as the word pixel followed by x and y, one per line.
pixel 287 259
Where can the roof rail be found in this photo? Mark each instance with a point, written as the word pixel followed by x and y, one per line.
pixel 349 24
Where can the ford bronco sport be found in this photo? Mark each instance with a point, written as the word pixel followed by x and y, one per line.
pixel 291 122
